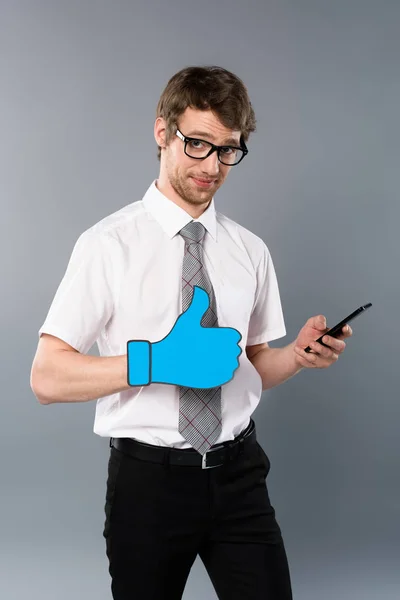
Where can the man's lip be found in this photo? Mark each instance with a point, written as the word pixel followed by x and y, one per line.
pixel 203 180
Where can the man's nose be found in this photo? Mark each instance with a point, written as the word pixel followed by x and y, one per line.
pixel 210 165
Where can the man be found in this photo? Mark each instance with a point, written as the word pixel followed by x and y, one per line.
pixel 186 475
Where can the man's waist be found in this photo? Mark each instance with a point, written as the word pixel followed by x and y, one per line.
pixel 152 435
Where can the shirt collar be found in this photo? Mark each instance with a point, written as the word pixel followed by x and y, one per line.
pixel 172 217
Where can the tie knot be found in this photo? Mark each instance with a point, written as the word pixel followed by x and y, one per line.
pixel 193 232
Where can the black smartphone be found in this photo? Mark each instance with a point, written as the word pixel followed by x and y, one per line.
pixel 337 329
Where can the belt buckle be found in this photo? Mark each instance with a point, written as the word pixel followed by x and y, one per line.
pixel 204 461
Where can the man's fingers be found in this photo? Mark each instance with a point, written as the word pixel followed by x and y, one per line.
pixel 336 344
pixel 307 359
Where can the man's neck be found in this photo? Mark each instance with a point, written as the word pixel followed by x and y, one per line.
pixel 168 191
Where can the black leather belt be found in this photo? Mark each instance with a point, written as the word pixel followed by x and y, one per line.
pixel 216 456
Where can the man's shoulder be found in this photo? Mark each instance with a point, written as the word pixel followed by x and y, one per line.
pixel 249 238
pixel 115 225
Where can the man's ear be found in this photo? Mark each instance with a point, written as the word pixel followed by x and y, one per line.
pixel 160 131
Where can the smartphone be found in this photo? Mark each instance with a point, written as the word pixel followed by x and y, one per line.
pixel 337 329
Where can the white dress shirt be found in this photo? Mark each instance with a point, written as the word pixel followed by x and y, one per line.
pixel 123 282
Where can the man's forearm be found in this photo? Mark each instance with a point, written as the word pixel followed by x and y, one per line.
pixel 75 377
pixel 276 365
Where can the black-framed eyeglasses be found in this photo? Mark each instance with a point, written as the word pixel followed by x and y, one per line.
pixel 200 149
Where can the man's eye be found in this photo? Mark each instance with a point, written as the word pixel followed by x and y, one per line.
pixel 196 144
pixel 227 150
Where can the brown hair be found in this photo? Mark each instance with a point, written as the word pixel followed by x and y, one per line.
pixel 207 88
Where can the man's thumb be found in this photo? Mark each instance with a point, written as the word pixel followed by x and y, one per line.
pixel 198 305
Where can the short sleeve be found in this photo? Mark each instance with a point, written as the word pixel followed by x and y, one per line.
pixel 84 300
pixel 266 321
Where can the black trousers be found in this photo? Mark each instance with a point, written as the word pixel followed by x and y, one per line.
pixel 160 517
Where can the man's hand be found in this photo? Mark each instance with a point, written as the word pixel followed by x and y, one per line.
pixel 320 357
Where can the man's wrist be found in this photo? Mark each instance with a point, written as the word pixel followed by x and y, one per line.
pixel 294 357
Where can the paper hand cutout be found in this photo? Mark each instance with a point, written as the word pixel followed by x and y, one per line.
pixel 190 355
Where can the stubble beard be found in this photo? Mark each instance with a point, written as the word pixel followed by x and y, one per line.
pixel 185 191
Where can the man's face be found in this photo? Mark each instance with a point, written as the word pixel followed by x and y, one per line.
pixel 196 181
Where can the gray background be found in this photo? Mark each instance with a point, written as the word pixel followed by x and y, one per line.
pixel 79 85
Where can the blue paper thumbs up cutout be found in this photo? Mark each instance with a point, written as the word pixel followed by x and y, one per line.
pixel 190 355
